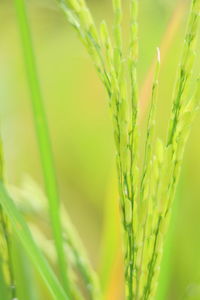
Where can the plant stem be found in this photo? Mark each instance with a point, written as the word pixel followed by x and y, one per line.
pixel 185 68
pixel 22 232
pixel 6 235
pixel 43 139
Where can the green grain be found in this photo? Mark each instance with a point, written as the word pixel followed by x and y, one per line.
pixel 144 202
pixel 145 194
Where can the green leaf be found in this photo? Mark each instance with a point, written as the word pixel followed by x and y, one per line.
pixel 43 138
pixel 23 233
pixel 3 285
pixel 25 280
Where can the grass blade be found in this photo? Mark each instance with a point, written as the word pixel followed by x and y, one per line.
pixel 22 232
pixel 3 286
pixel 5 234
pixel 43 139
pixel 30 200
pixel 27 288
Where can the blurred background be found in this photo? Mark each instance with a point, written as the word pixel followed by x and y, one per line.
pixel 81 133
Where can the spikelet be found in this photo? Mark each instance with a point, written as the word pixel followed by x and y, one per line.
pixel 145 202
pixel 185 67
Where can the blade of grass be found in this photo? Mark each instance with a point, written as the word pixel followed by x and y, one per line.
pixel 22 232
pixel 6 235
pixel 43 139
pixel 32 201
pixel 27 288
pixel 3 286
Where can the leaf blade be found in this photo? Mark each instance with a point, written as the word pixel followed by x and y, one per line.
pixel 22 232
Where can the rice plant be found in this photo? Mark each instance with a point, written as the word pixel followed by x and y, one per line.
pixel 146 191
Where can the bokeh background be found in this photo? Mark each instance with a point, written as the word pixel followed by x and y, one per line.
pixel 81 133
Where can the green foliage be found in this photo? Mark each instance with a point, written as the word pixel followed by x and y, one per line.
pixel 145 194
pixel 22 232
pixel 3 285
pixel 43 139
pixel 6 263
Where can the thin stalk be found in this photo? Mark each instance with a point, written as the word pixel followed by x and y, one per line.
pixel 185 68
pixel 6 236
pixel 183 113
pixel 80 18
pixel 109 59
pixel 43 140
pixel 132 146
pixel 23 234
pixel 144 186
pixel 117 7
pixel 166 266
pixel 152 263
pixel 3 286
pixel 178 131
pixel 74 248
pixel 81 260
pixel 150 128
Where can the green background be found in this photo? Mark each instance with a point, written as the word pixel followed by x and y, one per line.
pixel 81 133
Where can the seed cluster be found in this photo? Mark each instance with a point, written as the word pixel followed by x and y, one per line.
pixel 145 195
pixel 145 192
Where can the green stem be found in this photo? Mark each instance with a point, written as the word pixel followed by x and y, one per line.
pixel 43 139
pixel 185 68
pixel 152 263
pixel 6 236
